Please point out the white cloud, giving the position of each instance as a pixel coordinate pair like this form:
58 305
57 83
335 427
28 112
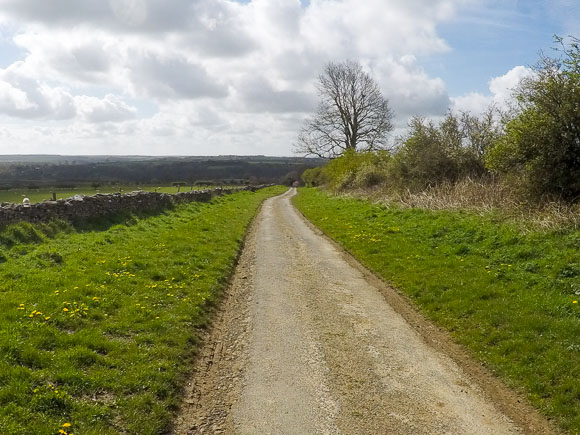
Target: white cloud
109 109
26 97
501 89
225 77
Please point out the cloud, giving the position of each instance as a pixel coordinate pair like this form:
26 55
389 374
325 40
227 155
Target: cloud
173 77
26 97
409 89
111 108
224 76
501 88
125 16
256 94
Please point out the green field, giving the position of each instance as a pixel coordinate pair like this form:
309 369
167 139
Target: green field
98 325
510 296
38 195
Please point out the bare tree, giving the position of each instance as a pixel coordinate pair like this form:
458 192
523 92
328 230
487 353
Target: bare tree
352 114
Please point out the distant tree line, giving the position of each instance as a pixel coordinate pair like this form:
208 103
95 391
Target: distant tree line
162 171
534 146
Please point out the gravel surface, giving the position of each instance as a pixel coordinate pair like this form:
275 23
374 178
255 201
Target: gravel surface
306 343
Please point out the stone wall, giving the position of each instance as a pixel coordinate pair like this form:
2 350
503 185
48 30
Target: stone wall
83 207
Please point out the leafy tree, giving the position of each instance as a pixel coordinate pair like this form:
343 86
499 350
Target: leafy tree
541 146
352 114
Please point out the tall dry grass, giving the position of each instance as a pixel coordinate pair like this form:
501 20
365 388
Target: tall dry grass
481 196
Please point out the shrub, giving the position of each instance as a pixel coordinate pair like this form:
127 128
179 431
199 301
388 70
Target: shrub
541 147
352 170
313 177
432 154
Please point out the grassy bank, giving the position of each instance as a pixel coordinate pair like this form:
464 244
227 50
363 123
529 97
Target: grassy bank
98 327
510 296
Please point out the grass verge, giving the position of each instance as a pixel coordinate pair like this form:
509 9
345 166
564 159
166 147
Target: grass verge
510 296
98 328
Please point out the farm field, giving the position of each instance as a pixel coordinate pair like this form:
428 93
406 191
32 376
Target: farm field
38 195
98 326
510 294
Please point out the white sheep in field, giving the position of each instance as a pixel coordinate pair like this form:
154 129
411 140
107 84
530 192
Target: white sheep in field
26 202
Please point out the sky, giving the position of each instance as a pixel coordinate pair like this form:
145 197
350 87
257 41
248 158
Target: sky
221 77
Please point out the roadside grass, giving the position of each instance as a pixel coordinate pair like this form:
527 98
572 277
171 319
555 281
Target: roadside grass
98 327
510 296
45 194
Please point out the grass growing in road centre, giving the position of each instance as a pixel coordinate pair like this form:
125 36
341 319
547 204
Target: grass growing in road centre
511 297
97 328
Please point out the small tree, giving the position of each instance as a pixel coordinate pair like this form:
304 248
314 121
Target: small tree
352 114
541 146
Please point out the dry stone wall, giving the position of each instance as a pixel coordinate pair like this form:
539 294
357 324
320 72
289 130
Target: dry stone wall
84 207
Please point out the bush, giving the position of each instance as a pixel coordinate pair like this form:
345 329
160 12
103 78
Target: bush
353 170
432 154
313 177
541 147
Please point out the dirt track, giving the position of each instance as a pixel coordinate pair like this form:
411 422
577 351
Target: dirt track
306 343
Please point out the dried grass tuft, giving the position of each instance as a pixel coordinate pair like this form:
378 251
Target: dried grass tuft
481 196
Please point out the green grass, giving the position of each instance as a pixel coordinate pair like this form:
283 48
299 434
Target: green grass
98 327
505 294
43 194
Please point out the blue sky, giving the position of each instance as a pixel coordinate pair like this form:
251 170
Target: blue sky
238 77
488 40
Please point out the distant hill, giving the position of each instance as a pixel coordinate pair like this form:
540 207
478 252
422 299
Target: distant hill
54 170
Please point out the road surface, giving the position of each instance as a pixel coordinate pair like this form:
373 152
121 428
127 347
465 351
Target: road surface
305 343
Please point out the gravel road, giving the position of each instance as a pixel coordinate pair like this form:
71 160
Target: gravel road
306 343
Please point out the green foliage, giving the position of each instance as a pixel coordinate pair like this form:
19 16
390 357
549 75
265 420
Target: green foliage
352 170
511 298
432 154
313 177
541 147
98 327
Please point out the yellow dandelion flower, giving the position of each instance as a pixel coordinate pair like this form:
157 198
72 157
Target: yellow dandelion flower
65 309
66 425
574 302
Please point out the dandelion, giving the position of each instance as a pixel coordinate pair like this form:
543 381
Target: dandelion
66 425
65 309
47 318
574 302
